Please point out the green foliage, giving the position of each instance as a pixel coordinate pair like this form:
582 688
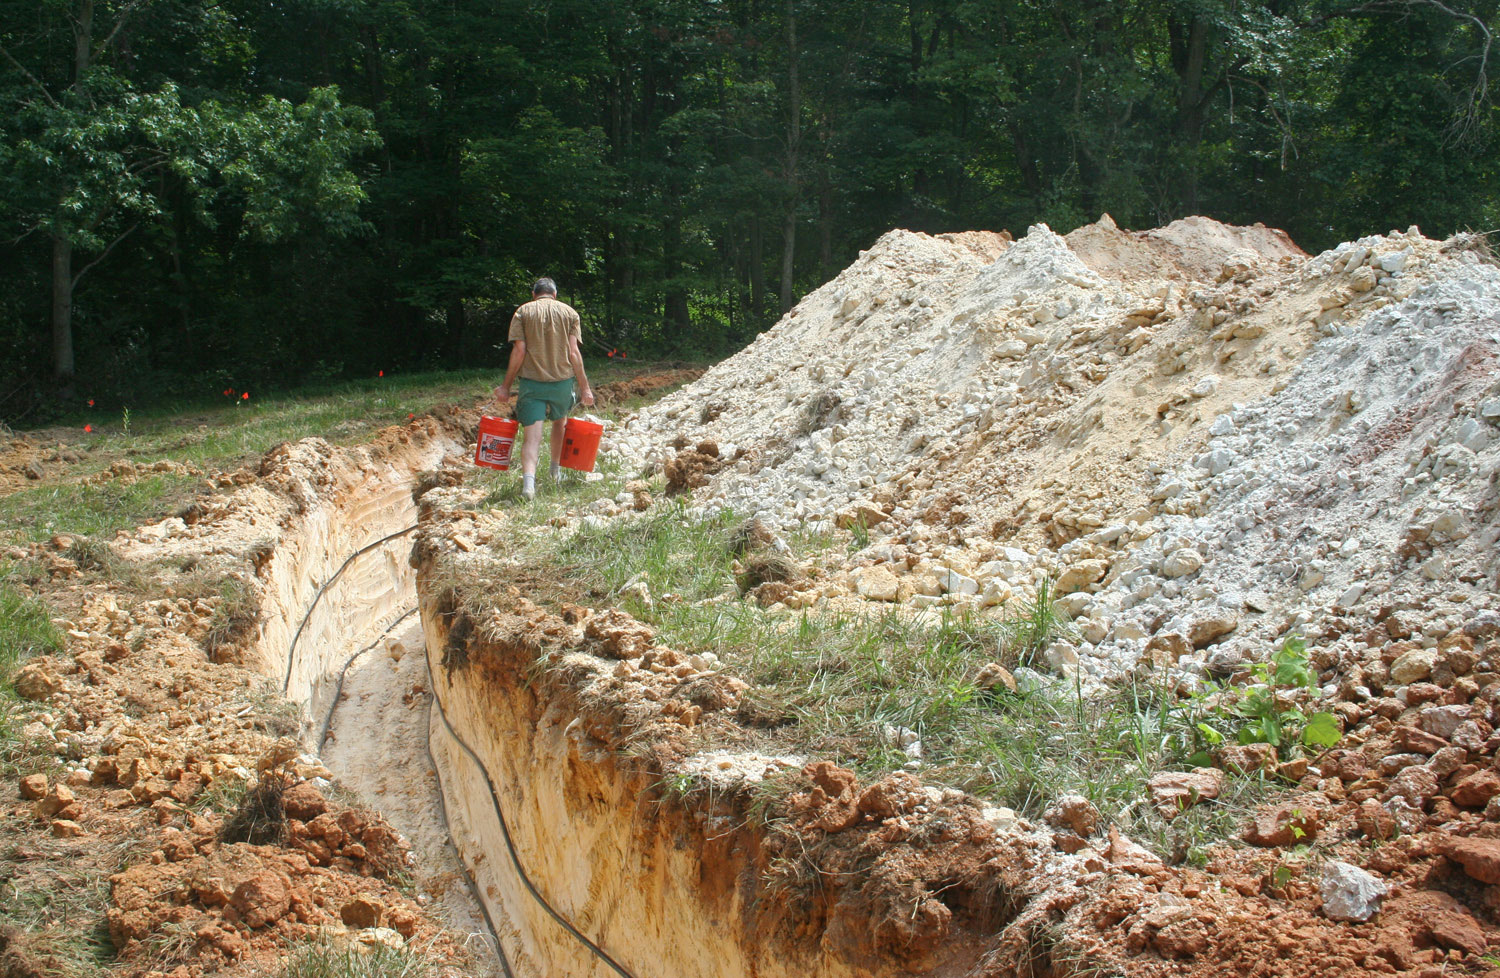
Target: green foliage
286 210
1264 713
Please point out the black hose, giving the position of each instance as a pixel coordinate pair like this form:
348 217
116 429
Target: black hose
510 845
427 745
291 652
462 866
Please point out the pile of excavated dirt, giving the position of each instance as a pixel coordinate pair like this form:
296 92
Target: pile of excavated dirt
1201 434
1382 857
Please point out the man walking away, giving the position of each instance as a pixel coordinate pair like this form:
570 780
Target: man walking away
546 334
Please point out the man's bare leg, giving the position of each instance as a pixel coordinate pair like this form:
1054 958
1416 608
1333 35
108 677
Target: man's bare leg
558 429
531 449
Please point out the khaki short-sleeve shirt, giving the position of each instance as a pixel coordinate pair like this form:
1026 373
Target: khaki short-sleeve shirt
545 325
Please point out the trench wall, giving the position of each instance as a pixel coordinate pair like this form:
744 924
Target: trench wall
663 889
349 498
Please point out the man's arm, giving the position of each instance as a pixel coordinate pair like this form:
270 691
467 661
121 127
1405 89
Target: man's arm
585 393
517 357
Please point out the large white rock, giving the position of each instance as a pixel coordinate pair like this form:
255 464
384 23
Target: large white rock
1180 563
1350 893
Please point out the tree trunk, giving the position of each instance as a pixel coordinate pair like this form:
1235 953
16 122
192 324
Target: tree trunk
793 141
757 270
62 311
83 41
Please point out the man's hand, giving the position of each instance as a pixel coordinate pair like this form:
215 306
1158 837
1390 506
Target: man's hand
502 393
587 397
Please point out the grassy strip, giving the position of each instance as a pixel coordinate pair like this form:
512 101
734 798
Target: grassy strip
225 435
224 431
859 688
92 510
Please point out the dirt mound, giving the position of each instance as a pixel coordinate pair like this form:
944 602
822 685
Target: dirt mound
620 391
1187 425
1194 248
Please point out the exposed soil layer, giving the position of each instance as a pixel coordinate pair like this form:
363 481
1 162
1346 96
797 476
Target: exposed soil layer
892 877
148 731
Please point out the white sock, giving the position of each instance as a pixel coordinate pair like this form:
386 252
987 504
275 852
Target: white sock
528 486
556 471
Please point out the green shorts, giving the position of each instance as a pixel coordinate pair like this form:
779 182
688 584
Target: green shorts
540 399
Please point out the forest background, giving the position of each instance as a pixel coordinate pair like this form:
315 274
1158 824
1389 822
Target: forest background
207 194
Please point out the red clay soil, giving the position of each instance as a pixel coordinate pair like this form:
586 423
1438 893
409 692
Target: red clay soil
1411 794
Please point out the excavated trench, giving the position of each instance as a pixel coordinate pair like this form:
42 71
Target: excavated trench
526 827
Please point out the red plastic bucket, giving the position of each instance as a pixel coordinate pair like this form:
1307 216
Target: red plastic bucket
581 444
497 436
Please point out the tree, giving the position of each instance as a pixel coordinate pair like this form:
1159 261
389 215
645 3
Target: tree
90 162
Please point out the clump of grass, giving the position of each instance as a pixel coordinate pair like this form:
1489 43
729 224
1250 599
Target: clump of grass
1034 625
234 620
819 412
26 629
260 818
326 958
766 567
273 713
223 795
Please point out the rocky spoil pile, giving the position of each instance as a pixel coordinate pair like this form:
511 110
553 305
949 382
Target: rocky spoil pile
1203 436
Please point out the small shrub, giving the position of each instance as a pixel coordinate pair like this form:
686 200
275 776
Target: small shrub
260 818
1261 714
235 618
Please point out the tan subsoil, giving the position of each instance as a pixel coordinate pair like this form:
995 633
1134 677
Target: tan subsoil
891 878
146 723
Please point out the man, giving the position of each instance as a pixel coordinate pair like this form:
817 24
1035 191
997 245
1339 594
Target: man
546 334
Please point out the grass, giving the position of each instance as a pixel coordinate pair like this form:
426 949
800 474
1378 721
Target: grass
849 686
260 817
218 433
235 617
327 958
57 905
26 628
92 510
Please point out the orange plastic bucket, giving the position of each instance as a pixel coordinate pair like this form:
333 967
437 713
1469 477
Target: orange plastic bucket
581 444
497 436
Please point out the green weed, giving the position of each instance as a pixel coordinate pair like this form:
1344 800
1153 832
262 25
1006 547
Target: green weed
1034 625
327 958
1262 714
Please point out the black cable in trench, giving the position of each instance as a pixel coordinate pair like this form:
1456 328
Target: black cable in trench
510 846
442 806
291 652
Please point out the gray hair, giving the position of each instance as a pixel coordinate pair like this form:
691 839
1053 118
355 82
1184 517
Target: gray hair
544 286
